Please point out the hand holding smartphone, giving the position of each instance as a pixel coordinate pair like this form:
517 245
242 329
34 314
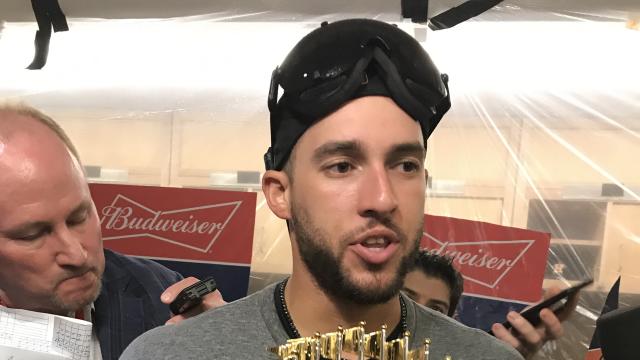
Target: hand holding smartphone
554 303
192 295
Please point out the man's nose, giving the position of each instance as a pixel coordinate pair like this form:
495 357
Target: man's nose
71 251
377 193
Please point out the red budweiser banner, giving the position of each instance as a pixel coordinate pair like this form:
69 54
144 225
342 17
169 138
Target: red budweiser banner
497 262
177 224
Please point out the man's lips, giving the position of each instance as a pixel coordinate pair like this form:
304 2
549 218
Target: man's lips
80 279
375 246
376 233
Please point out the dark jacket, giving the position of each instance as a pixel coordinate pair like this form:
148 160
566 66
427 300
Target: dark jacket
129 302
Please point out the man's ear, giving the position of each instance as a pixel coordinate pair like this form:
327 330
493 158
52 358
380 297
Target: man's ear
426 177
275 187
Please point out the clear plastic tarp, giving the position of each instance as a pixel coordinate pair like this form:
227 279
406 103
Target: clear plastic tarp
544 131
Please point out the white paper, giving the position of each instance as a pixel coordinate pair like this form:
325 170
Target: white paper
33 335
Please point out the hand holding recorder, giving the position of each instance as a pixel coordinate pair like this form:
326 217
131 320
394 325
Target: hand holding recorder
529 330
190 297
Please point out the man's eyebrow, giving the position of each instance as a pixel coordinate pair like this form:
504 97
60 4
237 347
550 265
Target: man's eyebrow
349 148
408 291
83 206
25 228
439 302
404 149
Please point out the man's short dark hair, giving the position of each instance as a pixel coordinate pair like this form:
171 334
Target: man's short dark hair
441 267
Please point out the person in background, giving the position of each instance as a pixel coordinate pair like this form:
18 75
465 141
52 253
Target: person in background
435 283
51 254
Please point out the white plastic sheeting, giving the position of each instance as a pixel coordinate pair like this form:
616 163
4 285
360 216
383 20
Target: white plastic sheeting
544 132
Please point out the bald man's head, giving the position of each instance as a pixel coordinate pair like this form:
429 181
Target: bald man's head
50 242
18 118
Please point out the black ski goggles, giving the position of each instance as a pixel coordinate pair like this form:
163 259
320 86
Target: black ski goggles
345 60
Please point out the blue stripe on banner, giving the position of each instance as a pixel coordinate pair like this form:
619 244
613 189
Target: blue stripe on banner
232 280
481 313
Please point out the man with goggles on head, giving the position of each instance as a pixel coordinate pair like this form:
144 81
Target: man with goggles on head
346 171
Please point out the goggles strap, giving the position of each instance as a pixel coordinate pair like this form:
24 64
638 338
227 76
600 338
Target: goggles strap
394 81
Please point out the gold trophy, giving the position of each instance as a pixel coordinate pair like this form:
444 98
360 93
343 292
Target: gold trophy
353 341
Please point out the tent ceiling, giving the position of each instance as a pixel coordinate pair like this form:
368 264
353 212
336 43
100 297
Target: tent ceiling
306 11
295 10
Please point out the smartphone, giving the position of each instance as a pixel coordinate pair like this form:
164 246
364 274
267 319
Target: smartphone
191 296
554 303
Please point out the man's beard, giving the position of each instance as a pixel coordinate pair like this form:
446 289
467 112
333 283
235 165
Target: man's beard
67 306
327 269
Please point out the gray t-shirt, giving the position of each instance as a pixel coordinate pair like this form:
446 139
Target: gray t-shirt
245 328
